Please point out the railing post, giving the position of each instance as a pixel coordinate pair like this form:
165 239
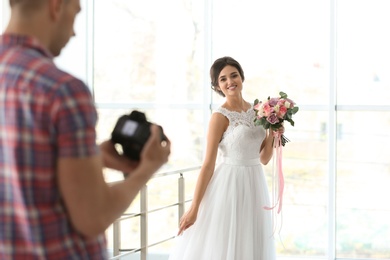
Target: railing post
181 196
143 214
144 222
116 236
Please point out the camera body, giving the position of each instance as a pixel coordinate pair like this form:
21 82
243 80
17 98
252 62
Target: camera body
131 132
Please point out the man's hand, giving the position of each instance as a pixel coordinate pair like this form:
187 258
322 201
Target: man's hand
112 159
155 152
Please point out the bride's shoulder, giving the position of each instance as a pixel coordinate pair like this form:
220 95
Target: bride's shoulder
221 110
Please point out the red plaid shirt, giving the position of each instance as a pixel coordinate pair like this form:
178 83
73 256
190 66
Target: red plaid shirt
45 114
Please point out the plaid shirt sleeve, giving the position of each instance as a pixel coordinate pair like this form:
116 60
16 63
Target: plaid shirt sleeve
75 120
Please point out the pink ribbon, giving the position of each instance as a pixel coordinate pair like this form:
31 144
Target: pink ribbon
278 188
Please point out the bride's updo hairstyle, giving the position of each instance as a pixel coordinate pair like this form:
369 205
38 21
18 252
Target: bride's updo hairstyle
218 66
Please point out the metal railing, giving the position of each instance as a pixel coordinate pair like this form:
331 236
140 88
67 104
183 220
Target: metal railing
118 252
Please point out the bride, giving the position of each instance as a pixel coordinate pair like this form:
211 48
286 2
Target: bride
226 220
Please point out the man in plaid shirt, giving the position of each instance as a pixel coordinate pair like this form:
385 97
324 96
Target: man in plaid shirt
54 202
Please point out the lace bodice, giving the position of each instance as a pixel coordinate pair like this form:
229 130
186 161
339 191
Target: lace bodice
242 139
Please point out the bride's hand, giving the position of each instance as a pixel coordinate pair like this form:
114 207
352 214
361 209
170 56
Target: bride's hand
187 220
280 130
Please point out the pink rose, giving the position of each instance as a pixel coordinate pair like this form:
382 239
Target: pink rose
267 110
282 111
281 102
258 106
273 119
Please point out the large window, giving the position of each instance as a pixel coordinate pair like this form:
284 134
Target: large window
363 119
150 57
330 56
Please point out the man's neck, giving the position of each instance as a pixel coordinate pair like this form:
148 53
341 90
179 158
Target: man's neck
34 26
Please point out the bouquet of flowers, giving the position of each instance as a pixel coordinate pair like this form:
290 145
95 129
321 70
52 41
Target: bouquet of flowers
272 112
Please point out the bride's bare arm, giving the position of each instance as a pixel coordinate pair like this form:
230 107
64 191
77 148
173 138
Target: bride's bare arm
217 126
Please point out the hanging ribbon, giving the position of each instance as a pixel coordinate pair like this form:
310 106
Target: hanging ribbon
278 188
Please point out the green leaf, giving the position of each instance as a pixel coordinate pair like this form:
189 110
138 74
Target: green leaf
290 121
277 126
282 94
295 109
256 101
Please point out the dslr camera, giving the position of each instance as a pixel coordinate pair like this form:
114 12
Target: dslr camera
131 132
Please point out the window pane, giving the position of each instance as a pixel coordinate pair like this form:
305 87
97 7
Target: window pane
5 14
304 224
363 52
76 49
144 54
282 45
363 177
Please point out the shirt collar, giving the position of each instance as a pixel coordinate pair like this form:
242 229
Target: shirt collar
25 41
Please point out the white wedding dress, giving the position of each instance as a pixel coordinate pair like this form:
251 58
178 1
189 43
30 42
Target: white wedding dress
232 223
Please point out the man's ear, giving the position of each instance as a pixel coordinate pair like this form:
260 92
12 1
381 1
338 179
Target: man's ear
55 8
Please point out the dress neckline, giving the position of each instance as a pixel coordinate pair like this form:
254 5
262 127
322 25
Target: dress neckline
239 112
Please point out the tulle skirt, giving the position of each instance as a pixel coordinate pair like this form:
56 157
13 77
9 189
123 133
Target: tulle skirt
231 222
